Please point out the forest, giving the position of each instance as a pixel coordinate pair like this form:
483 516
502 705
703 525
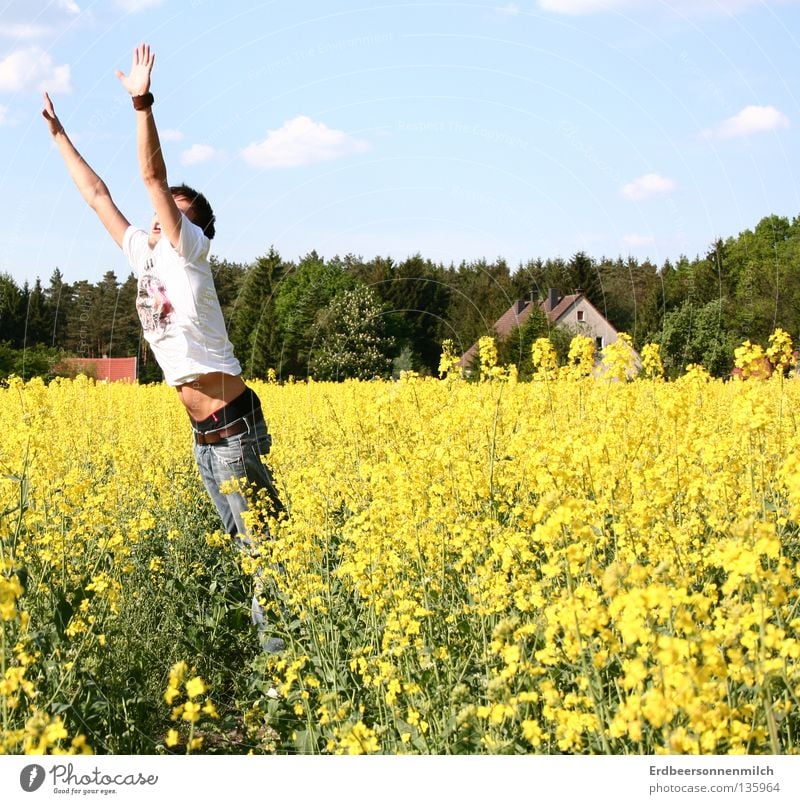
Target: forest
342 317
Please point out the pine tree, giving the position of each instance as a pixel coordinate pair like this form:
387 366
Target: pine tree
79 327
252 330
127 329
12 311
36 316
103 315
585 278
58 297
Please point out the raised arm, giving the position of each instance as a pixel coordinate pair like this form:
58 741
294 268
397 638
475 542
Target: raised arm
151 158
91 186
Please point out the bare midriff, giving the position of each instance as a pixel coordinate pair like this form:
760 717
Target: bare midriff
210 392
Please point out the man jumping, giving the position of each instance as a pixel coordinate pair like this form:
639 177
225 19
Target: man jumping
181 316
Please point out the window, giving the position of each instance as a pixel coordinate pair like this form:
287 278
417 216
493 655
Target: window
581 316
598 341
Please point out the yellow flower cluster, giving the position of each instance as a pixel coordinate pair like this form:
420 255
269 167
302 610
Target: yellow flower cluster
42 734
651 361
490 370
544 358
780 349
750 359
354 739
191 710
581 357
10 590
449 363
619 358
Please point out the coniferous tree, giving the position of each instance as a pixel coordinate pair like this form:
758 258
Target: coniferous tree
127 332
416 297
253 330
479 293
631 294
37 317
103 315
12 311
58 296
228 278
79 320
584 277
516 347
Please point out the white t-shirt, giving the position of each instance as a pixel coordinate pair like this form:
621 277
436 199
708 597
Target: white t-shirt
178 304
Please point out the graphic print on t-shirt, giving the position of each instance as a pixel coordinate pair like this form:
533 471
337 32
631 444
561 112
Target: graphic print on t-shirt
152 302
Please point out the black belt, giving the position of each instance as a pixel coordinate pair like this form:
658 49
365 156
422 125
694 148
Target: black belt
212 436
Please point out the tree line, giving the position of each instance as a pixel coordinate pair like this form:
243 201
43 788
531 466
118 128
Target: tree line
349 317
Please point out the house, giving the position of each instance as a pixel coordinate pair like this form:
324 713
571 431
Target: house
574 312
105 369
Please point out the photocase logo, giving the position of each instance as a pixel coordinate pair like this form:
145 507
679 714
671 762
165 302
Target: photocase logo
66 779
31 778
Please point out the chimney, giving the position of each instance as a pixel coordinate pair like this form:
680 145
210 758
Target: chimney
552 299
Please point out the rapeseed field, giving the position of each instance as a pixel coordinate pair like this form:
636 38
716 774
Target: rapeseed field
590 562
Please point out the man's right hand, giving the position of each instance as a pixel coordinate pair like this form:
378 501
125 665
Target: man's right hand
49 114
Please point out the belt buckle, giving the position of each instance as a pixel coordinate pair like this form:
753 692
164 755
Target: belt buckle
215 436
204 439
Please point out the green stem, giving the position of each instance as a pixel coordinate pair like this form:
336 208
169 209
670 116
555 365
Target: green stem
590 671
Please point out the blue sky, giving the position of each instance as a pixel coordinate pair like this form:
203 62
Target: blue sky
458 130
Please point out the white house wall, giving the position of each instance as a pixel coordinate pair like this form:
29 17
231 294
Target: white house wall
594 324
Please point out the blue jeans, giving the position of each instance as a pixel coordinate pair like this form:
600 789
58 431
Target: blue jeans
238 457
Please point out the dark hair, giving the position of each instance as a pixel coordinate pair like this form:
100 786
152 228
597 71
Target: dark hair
199 211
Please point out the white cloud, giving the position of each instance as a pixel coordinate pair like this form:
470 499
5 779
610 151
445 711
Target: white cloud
135 6
22 30
4 119
721 6
647 186
508 10
32 68
637 240
680 7
301 141
170 135
197 154
29 20
751 120
575 7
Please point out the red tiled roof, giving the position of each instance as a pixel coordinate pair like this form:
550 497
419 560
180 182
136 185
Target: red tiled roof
562 307
515 316
108 369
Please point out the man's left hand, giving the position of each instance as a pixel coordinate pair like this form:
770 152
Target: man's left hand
137 82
